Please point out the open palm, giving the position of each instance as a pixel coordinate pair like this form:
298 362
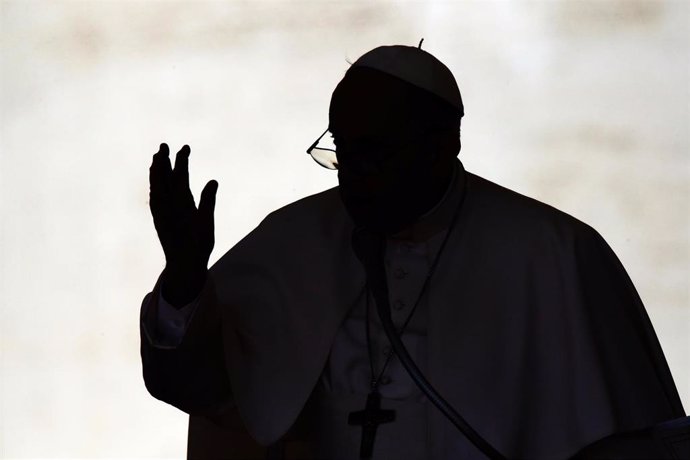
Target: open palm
185 232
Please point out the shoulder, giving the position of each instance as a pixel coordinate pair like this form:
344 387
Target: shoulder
501 211
523 226
320 210
314 219
321 203
305 229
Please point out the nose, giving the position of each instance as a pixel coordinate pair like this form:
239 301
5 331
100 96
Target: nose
354 167
360 185
359 159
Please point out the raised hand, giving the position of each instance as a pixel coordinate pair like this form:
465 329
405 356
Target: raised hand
185 232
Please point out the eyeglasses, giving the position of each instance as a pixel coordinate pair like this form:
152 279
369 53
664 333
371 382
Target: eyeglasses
323 151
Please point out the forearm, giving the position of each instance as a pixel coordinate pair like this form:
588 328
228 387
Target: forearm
191 378
191 374
181 285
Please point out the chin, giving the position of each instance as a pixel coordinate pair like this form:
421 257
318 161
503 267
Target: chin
377 218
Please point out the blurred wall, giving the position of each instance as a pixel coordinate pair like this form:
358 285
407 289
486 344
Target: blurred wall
582 105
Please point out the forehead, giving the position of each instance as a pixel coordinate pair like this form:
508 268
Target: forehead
367 101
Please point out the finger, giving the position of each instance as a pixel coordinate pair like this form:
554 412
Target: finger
164 150
207 201
181 171
163 155
160 172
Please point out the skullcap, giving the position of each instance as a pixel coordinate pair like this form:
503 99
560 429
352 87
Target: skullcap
416 67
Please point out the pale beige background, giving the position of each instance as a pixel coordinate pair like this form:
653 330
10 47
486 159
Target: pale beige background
582 105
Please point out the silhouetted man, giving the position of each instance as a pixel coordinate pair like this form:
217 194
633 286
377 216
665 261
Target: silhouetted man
520 315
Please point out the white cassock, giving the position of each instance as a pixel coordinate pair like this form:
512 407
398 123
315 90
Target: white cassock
520 330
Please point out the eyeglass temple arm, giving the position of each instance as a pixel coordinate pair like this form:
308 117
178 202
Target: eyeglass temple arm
311 147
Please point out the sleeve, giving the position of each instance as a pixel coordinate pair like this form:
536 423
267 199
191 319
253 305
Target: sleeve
627 370
189 374
628 347
170 323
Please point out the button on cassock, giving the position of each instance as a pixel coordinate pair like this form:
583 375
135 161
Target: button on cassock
398 305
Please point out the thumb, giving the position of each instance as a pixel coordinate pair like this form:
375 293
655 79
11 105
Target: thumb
207 201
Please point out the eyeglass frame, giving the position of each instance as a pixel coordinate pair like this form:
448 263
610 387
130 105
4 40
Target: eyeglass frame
313 145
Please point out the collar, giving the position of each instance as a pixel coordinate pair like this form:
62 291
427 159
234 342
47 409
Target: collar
439 217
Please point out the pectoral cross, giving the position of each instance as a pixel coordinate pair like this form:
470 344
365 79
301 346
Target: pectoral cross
370 418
